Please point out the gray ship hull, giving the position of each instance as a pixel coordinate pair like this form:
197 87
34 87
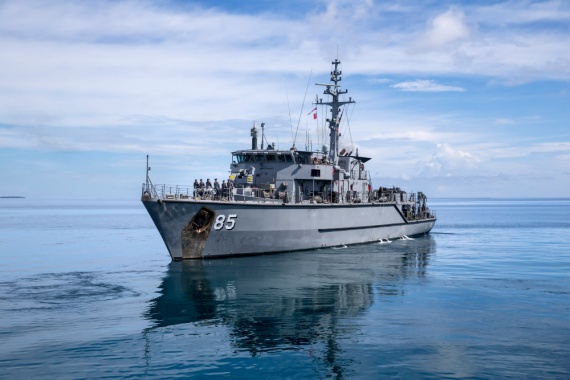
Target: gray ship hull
279 200
235 228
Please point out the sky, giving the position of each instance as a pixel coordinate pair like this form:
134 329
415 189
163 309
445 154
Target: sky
453 98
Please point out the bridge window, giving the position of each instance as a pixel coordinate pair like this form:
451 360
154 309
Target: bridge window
315 172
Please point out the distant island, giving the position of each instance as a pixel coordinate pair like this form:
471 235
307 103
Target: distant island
11 196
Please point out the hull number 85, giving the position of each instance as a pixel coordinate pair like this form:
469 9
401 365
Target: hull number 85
222 221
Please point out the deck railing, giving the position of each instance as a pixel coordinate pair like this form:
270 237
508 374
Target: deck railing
178 192
166 191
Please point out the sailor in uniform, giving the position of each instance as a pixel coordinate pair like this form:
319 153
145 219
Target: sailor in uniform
217 187
202 186
196 187
224 188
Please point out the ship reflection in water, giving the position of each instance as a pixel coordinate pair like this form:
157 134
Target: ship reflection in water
288 301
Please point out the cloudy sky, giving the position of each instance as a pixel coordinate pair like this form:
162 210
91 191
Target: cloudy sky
455 98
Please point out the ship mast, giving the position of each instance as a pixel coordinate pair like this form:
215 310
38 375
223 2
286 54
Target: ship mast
333 89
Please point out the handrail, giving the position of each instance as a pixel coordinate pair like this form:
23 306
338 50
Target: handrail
168 191
248 194
149 189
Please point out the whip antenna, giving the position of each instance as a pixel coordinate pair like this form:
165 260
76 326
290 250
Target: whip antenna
302 105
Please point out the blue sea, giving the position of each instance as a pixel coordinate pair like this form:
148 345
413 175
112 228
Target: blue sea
87 290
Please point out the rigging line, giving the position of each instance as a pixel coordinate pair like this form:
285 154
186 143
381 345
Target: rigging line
324 127
266 141
317 128
316 123
348 123
306 134
321 125
289 107
343 129
319 122
347 126
302 106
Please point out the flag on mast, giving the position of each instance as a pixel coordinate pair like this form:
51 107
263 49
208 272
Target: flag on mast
314 112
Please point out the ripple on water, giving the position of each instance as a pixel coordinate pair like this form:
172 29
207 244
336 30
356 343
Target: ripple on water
57 290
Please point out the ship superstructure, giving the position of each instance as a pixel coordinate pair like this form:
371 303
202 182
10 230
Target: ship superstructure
284 200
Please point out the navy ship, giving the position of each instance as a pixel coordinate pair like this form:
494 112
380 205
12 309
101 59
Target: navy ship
286 200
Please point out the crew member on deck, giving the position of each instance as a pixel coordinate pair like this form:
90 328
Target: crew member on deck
202 186
208 183
217 193
196 187
224 188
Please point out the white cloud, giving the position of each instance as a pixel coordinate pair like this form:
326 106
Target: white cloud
424 85
448 161
379 80
444 29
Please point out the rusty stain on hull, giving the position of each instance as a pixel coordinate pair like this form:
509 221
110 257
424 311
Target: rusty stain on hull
195 233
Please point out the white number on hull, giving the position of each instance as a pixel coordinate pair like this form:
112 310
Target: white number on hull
230 222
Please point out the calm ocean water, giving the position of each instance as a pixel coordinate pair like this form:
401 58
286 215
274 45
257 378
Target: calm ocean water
87 290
